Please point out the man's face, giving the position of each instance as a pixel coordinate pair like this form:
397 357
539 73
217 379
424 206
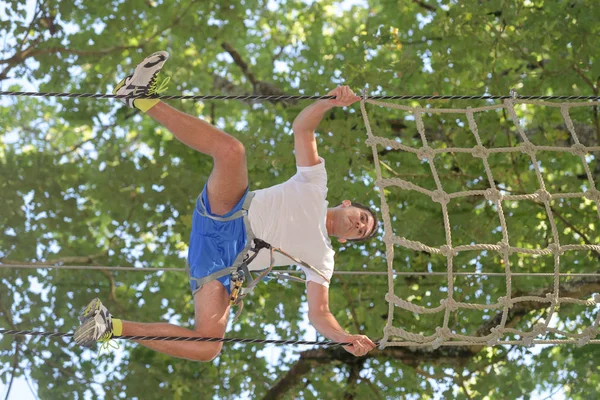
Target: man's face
352 222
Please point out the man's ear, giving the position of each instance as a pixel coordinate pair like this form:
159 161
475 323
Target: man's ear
342 240
346 203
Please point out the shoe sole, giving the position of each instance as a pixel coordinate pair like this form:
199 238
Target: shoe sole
84 331
160 57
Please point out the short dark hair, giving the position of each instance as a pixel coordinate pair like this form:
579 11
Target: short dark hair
375 222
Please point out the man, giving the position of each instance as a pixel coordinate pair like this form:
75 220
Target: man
292 216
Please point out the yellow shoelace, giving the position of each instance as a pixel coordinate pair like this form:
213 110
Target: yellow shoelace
106 343
158 88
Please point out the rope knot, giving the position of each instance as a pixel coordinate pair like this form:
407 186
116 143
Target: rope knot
494 336
387 237
593 195
556 250
528 341
443 333
439 196
543 196
450 304
493 195
549 296
582 341
426 152
579 150
504 301
527 148
448 251
505 248
587 334
539 328
437 343
480 152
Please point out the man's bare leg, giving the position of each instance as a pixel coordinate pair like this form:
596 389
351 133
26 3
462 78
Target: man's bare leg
212 309
229 178
226 185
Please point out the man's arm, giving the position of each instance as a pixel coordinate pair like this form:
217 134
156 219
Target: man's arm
323 320
305 124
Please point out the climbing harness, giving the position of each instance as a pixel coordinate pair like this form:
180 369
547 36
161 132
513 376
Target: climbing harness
239 271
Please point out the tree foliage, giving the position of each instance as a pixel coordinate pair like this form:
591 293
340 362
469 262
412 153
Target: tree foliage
88 182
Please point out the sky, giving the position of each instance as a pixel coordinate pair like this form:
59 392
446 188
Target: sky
24 389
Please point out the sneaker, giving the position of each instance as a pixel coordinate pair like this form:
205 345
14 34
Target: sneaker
96 325
143 82
91 309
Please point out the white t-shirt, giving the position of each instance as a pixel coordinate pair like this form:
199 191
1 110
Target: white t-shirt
291 216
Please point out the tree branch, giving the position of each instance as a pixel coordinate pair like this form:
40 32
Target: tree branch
225 86
374 389
13 369
427 375
455 355
424 5
353 378
581 74
113 290
464 387
570 225
259 87
237 59
21 56
291 378
30 386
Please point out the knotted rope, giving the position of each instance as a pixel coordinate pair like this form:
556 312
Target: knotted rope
443 335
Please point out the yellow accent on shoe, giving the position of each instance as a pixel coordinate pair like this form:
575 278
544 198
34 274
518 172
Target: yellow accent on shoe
117 327
145 104
119 86
90 307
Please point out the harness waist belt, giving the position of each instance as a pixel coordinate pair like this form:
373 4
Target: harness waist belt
239 260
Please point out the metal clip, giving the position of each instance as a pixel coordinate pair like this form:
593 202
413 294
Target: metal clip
238 281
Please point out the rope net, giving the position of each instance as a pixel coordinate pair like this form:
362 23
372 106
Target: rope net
496 311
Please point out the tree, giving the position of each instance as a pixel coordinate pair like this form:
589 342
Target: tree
90 182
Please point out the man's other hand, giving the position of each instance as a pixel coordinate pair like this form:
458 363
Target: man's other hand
344 96
360 346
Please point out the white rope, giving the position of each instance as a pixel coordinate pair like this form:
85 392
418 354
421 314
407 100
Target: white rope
290 271
443 335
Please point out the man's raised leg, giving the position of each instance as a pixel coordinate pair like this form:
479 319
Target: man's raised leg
229 177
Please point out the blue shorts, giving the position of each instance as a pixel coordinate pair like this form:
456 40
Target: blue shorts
214 245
